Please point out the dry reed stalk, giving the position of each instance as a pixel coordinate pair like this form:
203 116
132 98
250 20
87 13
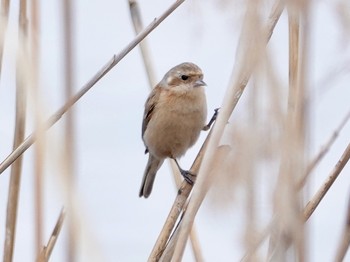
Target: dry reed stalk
345 239
259 240
4 11
138 26
56 116
248 53
196 247
177 208
323 151
312 204
251 145
288 228
20 122
316 199
250 153
45 253
38 118
169 248
69 139
262 236
100 74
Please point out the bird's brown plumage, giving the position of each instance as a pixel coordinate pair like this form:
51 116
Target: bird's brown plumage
175 113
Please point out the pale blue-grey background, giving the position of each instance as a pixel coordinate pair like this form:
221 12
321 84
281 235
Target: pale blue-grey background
110 159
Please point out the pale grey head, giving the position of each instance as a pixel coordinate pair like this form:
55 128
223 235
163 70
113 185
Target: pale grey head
185 75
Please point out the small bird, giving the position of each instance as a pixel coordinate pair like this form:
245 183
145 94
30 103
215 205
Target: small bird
175 113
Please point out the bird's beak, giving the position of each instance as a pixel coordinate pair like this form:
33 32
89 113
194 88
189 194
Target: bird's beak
199 83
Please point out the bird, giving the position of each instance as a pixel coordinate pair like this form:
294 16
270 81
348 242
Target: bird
175 113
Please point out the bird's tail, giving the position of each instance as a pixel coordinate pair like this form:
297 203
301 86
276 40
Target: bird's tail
152 167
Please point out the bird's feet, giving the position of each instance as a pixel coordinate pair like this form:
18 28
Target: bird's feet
213 118
188 176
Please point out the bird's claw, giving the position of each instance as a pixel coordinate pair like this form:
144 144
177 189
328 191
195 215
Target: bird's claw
216 110
213 118
188 176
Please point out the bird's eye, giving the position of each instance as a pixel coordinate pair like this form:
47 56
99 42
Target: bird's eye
184 77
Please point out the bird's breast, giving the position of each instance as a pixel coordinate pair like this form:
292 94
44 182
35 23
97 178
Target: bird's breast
176 123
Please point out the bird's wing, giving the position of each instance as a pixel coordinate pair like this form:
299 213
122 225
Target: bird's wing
149 108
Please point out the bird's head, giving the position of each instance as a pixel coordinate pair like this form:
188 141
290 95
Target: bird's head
183 77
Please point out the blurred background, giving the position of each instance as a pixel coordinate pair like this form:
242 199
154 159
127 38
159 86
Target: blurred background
114 223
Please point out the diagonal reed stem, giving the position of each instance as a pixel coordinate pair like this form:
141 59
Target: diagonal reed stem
323 151
98 76
45 253
177 207
316 199
316 160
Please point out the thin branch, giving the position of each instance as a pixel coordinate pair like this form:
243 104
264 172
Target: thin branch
100 74
313 203
325 148
47 250
241 74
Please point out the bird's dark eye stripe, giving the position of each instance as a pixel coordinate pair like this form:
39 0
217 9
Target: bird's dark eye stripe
184 77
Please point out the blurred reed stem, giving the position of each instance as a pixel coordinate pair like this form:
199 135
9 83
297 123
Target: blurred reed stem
4 16
248 53
344 243
20 122
146 57
316 160
39 151
69 138
288 228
